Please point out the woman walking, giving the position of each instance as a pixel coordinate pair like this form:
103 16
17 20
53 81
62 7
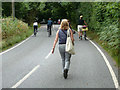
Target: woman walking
80 25
61 35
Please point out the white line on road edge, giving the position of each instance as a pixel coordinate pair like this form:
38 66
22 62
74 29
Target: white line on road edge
108 64
26 76
15 46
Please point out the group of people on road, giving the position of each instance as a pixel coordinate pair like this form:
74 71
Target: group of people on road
61 36
49 26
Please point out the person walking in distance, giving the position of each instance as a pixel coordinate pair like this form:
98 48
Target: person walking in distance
35 25
61 35
49 25
81 22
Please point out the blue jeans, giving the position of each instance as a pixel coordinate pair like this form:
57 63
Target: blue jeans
65 56
49 29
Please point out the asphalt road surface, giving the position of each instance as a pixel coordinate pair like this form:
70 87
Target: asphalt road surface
26 66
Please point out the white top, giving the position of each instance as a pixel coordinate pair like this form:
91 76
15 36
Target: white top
35 24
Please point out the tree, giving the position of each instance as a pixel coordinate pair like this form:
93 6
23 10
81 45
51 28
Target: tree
13 10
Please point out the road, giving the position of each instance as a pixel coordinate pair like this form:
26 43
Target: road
88 68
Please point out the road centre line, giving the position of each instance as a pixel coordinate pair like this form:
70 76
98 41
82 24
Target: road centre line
105 59
49 54
108 65
25 77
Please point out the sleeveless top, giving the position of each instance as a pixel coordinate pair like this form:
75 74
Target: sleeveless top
81 22
62 36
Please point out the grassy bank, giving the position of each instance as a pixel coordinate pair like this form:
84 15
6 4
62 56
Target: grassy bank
111 51
13 32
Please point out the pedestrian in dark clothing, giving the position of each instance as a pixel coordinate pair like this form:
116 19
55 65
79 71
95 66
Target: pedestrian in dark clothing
81 22
35 25
49 25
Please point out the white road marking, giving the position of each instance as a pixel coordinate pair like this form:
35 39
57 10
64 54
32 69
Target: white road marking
108 65
106 61
50 53
15 46
25 77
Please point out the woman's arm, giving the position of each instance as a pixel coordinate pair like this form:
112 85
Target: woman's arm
56 39
85 23
72 38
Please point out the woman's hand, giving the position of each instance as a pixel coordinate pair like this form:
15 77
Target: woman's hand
53 50
73 43
56 39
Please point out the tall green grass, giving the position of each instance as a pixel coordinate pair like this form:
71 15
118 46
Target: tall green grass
13 32
111 47
113 52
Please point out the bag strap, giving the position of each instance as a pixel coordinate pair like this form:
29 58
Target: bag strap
64 32
68 32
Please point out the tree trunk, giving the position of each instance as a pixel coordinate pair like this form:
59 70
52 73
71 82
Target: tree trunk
13 10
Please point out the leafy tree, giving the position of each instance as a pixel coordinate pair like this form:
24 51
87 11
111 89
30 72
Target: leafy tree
6 9
102 17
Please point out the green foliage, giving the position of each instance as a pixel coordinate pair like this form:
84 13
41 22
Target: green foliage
13 32
6 9
110 34
106 21
26 11
102 18
10 27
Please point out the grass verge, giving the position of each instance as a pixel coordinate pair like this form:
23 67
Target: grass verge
93 36
13 32
15 39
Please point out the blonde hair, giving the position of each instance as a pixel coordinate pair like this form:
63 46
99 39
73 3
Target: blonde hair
64 24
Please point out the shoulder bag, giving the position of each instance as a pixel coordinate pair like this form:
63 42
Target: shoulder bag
69 44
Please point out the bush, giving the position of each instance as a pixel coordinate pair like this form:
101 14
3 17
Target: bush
14 32
103 19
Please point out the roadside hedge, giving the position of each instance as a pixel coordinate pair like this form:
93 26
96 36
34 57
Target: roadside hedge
103 18
13 31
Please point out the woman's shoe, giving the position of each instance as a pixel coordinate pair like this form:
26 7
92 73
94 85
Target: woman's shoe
65 73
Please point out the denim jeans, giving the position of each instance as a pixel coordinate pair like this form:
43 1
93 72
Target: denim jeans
49 28
65 56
